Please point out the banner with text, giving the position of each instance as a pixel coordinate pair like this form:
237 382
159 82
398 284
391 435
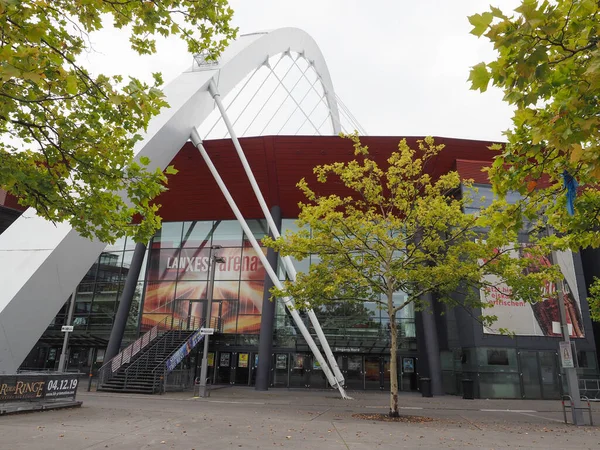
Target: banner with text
537 319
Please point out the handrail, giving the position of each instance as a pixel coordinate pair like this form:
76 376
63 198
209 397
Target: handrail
124 357
585 390
142 364
163 362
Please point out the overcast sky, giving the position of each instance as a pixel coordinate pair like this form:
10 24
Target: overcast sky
400 66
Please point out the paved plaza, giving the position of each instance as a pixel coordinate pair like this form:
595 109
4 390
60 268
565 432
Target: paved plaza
234 418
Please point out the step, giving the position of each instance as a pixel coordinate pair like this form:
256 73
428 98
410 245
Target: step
131 391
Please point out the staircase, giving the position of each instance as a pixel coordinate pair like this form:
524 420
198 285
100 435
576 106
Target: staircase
144 374
142 367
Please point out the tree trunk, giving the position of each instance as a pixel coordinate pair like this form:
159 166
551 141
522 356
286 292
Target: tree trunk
393 360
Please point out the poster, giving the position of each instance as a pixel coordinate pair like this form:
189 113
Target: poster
210 358
281 361
177 287
299 362
316 365
408 365
541 318
224 361
243 360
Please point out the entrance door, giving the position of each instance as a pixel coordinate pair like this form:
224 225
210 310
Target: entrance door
550 375
373 373
353 369
530 374
300 370
223 372
408 375
242 370
317 378
280 374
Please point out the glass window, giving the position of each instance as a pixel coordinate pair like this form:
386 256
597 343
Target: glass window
193 264
250 266
193 290
248 324
251 297
482 196
118 245
159 297
150 320
197 234
497 359
164 264
169 236
230 269
227 233
126 264
130 244
259 229
226 290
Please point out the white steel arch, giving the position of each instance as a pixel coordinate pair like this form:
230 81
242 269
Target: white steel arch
41 264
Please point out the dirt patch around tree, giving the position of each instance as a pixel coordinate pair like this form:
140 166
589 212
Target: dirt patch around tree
387 418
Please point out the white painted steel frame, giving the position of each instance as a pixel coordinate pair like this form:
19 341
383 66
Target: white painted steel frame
41 263
288 265
197 141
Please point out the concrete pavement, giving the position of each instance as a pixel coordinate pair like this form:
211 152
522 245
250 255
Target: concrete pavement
244 418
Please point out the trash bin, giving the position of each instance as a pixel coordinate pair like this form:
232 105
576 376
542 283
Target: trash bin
426 387
468 389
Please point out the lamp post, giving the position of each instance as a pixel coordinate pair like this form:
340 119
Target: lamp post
214 259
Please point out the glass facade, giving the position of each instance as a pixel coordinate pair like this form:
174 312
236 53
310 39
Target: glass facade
173 285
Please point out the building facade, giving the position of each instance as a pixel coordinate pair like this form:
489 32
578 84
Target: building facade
173 286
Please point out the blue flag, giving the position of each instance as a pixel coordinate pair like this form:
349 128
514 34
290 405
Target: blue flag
571 186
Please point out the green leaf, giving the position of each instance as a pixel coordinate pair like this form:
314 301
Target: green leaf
144 160
71 86
171 170
479 77
480 22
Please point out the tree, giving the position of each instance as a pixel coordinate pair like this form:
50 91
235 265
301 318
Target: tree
67 135
548 66
397 229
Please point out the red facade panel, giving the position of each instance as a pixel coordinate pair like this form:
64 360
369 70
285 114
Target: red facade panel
279 162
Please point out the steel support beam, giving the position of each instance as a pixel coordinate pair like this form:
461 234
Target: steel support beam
197 141
287 262
267 318
120 323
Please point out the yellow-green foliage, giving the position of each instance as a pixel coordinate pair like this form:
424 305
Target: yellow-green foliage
68 136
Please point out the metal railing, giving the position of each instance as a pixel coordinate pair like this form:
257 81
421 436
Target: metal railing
109 368
571 405
146 365
590 389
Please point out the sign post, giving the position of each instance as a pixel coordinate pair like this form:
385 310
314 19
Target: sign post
566 354
62 362
204 392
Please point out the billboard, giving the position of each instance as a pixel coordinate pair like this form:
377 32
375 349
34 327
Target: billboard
541 318
177 288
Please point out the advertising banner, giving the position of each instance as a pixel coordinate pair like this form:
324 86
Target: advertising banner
177 286
535 319
26 387
184 350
